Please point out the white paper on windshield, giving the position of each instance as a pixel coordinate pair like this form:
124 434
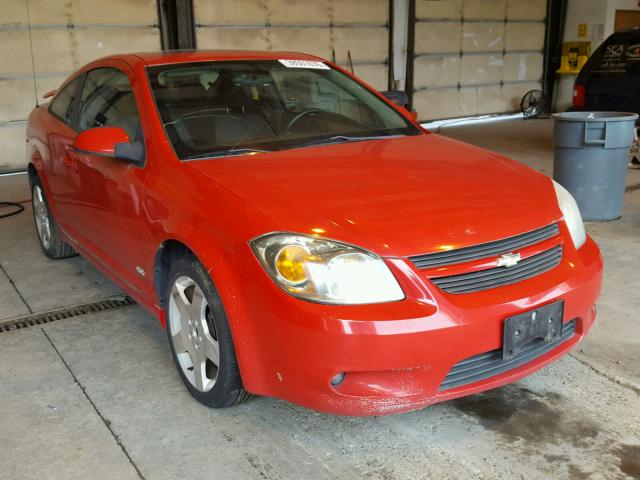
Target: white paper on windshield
304 64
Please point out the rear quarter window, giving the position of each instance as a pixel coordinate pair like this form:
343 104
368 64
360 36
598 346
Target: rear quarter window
64 103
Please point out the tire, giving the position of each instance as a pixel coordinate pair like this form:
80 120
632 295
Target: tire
204 336
46 227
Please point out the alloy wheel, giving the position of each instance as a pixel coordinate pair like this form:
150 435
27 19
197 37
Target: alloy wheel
193 334
41 216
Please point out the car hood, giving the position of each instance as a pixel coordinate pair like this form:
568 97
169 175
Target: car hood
397 197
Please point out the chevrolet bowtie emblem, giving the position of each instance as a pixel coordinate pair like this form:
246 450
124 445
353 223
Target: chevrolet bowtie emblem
508 260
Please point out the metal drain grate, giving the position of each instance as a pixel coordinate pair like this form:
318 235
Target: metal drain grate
75 311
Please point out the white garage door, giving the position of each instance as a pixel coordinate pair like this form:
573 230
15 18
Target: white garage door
476 56
43 41
317 27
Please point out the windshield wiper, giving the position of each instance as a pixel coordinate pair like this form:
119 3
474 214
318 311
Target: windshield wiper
320 141
227 153
343 139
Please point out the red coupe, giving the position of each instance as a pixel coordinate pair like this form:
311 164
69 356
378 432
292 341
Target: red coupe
300 236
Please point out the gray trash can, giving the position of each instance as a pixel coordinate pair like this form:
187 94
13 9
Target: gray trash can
591 157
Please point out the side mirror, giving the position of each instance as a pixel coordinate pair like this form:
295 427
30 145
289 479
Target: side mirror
401 99
398 97
110 142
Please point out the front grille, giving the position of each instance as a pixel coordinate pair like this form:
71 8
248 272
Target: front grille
499 276
484 250
489 364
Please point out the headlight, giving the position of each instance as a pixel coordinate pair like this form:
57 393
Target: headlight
326 271
571 214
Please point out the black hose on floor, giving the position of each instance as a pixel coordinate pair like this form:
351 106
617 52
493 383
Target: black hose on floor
18 208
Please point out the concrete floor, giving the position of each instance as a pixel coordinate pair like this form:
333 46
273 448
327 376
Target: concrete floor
97 396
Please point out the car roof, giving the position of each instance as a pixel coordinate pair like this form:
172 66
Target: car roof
186 56
632 34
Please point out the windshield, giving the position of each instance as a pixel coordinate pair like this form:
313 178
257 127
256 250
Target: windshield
239 107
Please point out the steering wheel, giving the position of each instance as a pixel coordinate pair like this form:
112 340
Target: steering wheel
301 115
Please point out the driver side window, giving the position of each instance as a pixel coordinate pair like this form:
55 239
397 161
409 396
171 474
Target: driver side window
107 101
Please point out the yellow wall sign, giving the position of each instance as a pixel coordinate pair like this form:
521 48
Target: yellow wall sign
582 29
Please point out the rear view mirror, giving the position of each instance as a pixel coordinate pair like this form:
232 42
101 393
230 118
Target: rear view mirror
110 142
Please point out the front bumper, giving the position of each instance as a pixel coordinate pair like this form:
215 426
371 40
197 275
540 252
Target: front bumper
395 355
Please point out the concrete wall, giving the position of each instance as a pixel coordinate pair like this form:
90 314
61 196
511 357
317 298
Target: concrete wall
43 41
610 16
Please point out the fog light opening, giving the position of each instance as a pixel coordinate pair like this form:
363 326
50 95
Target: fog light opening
337 379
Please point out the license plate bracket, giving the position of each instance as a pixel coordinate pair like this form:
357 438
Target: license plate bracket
543 324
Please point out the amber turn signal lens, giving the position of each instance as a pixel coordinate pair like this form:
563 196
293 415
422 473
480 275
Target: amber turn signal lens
290 263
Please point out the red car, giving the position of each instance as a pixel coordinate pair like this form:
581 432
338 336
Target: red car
300 236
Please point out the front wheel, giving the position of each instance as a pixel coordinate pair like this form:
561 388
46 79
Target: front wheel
199 336
48 231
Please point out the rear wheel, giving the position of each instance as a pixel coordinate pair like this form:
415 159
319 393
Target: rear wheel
48 231
199 336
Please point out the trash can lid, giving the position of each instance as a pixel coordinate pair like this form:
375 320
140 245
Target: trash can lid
596 116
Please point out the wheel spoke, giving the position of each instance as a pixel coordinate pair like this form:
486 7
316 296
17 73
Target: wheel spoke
198 305
181 303
211 349
199 374
39 225
181 342
41 216
47 231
